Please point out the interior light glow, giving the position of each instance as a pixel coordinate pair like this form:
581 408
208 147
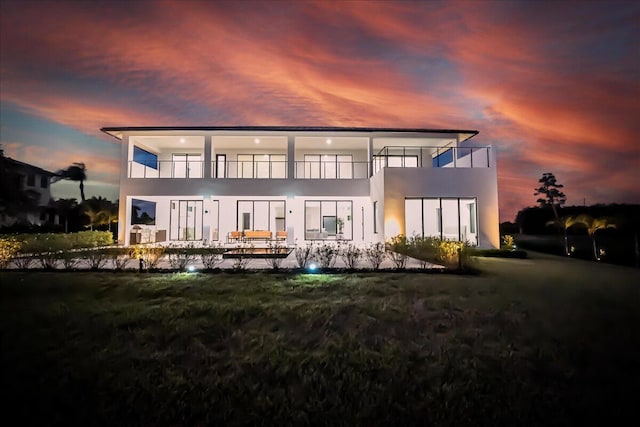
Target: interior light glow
257 141
182 140
329 141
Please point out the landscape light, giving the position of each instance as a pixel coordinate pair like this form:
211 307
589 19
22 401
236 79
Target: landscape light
191 268
312 266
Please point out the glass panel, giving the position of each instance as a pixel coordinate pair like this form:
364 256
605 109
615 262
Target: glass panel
179 166
245 166
195 166
145 158
329 170
468 219
260 215
328 226
215 220
432 218
245 210
345 220
312 220
411 162
311 166
413 217
262 164
450 228
277 217
345 170
173 218
278 166
221 166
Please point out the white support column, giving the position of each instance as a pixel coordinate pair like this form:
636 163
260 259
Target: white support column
124 174
370 156
291 156
207 156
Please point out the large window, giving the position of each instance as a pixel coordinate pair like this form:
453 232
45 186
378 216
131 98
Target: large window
328 166
445 218
145 158
262 166
185 221
328 220
143 212
261 215
187 165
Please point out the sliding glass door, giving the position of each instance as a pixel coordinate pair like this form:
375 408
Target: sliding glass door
186 220
444 218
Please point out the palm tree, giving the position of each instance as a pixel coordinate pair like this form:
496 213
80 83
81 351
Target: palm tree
98 210
75 172
564 223
592 225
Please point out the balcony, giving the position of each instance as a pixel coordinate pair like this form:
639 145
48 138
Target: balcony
167 169
432 157
250 169
335 169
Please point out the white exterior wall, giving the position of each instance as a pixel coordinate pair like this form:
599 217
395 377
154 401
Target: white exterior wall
389 187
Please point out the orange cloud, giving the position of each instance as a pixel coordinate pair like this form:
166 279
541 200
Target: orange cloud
552 87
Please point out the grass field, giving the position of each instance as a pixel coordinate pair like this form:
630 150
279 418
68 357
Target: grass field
528 342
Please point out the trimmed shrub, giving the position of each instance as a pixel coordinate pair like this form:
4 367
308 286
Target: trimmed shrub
9 250
150 255
326 254
375 253
276 248
304 254
212 256
351 255
182 257
397 250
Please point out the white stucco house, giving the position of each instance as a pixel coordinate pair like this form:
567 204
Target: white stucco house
296 184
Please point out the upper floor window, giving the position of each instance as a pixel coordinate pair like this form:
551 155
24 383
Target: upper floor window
44 181
144 157
262 166
328 166
31 180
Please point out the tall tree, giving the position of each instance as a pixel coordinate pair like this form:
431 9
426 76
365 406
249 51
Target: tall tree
98 209
550 189
75 172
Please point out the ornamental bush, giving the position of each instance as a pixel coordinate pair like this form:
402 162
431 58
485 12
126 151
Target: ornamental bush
9 249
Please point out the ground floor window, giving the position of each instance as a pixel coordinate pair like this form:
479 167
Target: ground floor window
261 215
328 220
185 220
446 218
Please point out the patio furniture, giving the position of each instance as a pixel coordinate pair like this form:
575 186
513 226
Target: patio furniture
234 236
251 235
281 235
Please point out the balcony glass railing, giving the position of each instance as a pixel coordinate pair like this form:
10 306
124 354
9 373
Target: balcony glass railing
331 170
167 169
250 169
432 157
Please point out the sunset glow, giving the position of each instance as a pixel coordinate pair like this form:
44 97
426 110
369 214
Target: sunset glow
554 86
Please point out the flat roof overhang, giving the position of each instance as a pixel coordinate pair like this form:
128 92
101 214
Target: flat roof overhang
117 132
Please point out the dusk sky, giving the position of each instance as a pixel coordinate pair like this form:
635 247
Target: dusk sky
554 86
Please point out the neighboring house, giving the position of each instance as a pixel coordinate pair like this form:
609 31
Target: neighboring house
34 186
297 184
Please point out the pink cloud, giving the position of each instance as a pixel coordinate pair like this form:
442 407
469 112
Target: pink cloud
541 90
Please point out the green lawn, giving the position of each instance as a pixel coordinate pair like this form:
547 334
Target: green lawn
528 342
